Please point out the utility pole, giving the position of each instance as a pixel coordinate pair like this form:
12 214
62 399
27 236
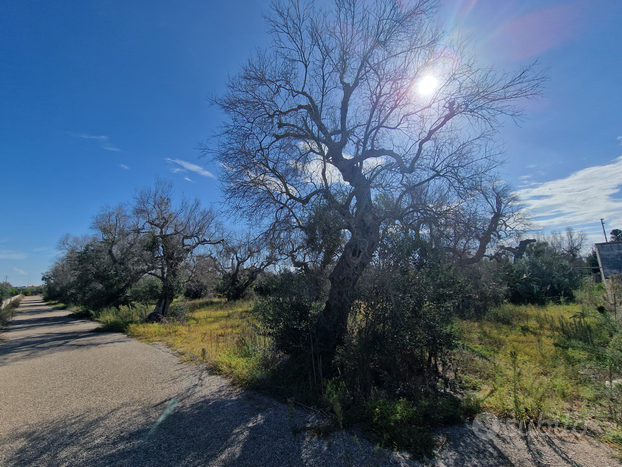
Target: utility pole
602 222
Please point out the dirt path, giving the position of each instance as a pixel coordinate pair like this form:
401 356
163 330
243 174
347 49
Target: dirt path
72 397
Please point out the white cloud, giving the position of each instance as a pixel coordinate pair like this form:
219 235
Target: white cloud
103 140
10 254
188 166
579 200
186 178
312 169
123 166
85 136
21 272
620 139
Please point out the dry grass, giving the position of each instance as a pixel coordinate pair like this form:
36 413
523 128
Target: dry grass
221 334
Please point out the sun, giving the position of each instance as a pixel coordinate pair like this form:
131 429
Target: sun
427 85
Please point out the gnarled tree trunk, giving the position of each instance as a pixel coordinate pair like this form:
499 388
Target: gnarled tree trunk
358 252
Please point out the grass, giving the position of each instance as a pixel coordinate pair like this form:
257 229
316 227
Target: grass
221 334
119 319
532 363
113 319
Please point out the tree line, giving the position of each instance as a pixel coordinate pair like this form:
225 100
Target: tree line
151 251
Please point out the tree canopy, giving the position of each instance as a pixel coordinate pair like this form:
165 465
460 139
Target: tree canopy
369 107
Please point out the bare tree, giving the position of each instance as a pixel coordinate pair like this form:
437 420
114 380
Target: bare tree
476 225
361 105
570 244
123 244
241 260
203 275
171 235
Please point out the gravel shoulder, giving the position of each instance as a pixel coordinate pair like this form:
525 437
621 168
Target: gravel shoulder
70 396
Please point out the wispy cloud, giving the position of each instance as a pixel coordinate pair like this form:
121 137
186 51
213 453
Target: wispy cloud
188 166
123 166
579 200
104 141
21 272
187 179
10 254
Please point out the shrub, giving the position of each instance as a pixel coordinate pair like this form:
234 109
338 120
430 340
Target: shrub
287 311
401 331
178 312
146 291
543 274
405 424
6 313
5 290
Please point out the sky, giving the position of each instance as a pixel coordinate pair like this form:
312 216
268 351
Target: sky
100 97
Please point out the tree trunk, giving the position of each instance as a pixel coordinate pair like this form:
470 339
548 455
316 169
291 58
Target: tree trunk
164 302
161 309
358 252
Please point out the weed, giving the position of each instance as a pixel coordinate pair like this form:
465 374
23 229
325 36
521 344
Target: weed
516 374
6 313
118 319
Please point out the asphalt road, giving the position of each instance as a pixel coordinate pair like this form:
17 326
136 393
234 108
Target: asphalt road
70 396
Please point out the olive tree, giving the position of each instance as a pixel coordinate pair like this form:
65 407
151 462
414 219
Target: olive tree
472 228
362 105
170 234
240 261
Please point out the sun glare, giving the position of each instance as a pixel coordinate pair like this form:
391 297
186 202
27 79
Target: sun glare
427 85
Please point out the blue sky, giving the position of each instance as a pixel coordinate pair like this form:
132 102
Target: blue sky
100 97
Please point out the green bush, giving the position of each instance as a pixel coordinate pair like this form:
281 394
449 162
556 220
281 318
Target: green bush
178 312
288 310
405 424
401 332
5 290
6 314
146 291
543 274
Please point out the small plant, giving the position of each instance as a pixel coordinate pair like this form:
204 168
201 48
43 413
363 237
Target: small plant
6 313
178 313
516 374
118 319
